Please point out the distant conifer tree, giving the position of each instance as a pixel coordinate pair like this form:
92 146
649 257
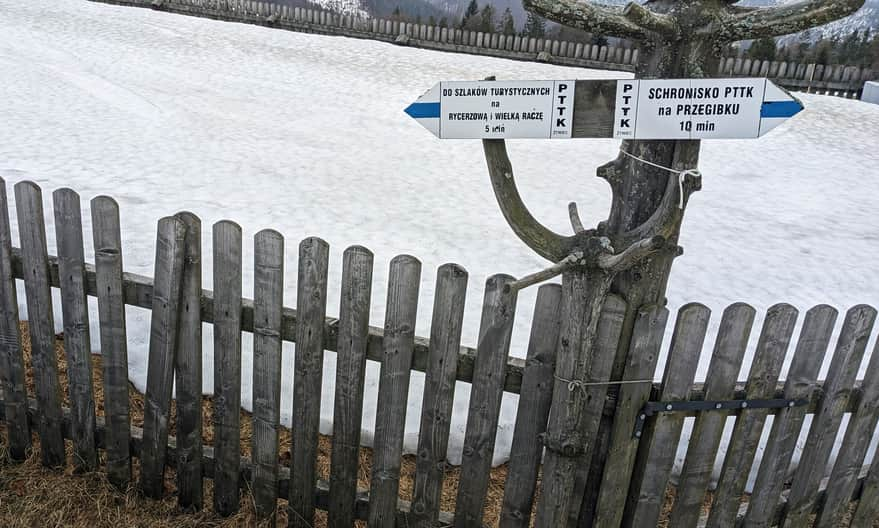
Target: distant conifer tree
507 24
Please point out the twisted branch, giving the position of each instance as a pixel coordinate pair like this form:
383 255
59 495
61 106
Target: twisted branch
602 20
542 240
781 20
656 22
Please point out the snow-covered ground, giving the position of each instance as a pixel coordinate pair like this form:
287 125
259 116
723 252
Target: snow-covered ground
306 134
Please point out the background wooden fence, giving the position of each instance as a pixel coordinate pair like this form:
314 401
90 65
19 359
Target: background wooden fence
633 479
840 80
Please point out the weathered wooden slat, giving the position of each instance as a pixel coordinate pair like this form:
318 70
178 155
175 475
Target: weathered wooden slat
641 364
495 329
350 371
659 441
311 305
170 252
729 350
268 294
11 360
840 378
114 345
74 311
533 410
800 383
393 389
854 447
227 365
188 372
41 322
778 327
868 507
439 393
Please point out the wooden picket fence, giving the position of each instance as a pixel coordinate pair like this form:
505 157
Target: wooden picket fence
627 488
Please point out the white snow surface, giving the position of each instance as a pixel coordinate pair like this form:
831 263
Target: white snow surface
306 134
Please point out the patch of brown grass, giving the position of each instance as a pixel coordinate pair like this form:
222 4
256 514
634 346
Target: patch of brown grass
31 495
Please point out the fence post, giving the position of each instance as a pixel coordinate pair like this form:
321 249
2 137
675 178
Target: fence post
188 371
170 240
393 390
114 346
350 371
533 410
41 323
486 392
77 342
439 393
268 302
11 360
311 305
227 365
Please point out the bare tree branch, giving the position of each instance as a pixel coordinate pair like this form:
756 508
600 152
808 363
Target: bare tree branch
601 20
563 265
576 223
783 19
545 242
656 22
631 255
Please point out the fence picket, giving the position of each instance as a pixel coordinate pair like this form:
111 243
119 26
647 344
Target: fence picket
495 328
778 327
268 301
840 378
660 438
168 270
11 359
640 365
188 372
393 389
311 307
729 350
801 379
114 345
439 393
227 365
868 506
853 449
533 409
74 312
350 371
41 323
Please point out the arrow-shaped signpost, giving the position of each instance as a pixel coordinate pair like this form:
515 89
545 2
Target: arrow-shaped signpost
623 109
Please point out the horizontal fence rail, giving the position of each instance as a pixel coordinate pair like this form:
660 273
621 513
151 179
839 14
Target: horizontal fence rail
632 486
841 80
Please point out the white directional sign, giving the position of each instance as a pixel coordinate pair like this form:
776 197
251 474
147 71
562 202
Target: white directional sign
624 109
497 109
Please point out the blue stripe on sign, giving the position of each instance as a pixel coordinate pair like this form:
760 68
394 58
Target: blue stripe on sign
422 110
780 108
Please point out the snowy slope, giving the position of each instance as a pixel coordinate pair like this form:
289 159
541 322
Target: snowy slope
306 134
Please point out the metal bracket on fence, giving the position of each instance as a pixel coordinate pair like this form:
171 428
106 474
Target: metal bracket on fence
651 408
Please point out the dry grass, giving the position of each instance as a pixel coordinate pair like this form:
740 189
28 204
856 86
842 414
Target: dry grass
31 495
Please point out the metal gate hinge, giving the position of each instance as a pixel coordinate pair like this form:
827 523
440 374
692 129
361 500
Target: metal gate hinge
651 408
